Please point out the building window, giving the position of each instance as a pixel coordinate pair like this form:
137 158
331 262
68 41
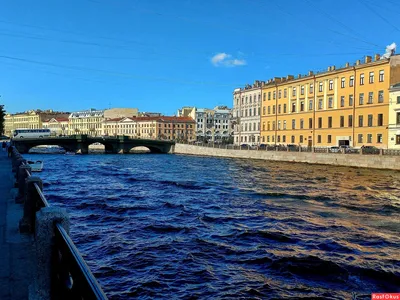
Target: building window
273 109
379 138
320 104
381 75
310 105
293 124
351 100
302 106
341 121
362 79
284 108
329 139
274 95
267 139
284 124
273 125
285 93
301 123
370 97
264 110
329 122
342 101
397 139
311 88
250 99
320 122
360 138
294 92
343 82
371 77
370 121
380 97
321 87
398 118
279 109
319 139
293 107
350 120
280 94
301 138
361 99
380 119
283 138
302 90
360 121
273 138
330 85
269 126
351 81
269 110
264 96
279 139
269 95
310 122
279 125
369 138
263 126
330 102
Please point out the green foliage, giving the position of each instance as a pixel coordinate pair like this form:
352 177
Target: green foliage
2 114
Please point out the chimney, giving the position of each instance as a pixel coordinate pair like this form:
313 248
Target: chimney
310 73
347 65
333 68
299 76
377 57
283 79
277 79
290 77
358 62
368 59
329 68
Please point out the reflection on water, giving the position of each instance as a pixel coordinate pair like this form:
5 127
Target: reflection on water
168 226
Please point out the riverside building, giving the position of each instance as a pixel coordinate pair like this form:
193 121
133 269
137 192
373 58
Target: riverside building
32 119
212 125
246 114
347 105
394 117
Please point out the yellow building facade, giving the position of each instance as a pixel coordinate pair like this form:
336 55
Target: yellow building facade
344 106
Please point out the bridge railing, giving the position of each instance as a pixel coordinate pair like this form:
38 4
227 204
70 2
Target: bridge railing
62 273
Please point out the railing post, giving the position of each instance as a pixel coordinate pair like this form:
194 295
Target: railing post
22 176
380 151
27 223
46 219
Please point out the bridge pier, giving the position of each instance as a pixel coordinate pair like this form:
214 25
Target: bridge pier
82 148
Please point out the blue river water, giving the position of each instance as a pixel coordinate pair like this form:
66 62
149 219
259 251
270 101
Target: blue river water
186 227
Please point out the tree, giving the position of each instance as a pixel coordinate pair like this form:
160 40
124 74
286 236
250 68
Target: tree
2 114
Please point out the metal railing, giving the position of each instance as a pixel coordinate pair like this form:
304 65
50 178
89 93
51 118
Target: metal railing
297 148
71 278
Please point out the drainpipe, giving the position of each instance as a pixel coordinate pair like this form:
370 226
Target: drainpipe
276 112
354 106
314 105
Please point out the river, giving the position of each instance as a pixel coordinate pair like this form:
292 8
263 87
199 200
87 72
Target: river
186 227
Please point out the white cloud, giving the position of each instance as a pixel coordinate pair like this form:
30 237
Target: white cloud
226 60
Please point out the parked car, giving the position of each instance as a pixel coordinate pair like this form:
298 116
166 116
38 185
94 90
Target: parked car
244 145
369 150
346 149
334 149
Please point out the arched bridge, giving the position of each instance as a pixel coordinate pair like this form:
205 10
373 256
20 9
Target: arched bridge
80 144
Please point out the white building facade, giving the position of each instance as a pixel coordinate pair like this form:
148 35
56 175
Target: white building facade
394 117
246 114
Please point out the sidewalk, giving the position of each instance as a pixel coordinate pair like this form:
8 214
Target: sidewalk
16 250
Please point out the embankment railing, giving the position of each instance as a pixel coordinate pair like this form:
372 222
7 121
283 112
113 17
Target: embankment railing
61 272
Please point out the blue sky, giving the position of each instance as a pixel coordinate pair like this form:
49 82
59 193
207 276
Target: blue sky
162 55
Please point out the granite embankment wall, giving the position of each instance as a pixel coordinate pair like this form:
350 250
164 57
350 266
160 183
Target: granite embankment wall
338 159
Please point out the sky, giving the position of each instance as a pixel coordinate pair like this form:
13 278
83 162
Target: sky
160 55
